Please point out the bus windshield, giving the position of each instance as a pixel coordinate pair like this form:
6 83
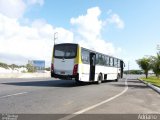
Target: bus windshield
65 51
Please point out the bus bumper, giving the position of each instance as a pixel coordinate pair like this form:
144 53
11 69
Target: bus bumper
66 77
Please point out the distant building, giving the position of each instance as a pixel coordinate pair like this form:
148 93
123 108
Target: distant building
39 65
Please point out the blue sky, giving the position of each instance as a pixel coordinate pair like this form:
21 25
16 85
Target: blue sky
130 28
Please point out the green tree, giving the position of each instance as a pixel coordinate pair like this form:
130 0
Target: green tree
4 65
145 65
30 68
13 66
155 64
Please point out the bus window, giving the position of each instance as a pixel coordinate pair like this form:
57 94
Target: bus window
85 56
107 60
100 59
103 60
119 63
115 62
65 51
97 62
111 61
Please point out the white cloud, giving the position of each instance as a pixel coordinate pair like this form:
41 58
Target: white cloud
88 24
115 19
88 32
12 8
17 8
33 42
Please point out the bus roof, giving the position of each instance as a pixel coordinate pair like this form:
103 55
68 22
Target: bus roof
89 50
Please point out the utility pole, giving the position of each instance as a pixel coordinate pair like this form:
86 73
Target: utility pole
55 36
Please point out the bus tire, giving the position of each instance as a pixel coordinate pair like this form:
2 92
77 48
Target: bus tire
99 80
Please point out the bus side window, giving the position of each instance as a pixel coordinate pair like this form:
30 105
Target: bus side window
100 59
107 60
115 62
97 59
111 61
119 63
103 60
85 56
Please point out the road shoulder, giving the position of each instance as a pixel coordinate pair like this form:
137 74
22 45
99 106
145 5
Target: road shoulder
155 88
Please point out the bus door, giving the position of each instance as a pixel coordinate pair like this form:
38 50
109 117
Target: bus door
121 66
92 66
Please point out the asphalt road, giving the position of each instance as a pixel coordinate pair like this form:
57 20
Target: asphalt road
50 96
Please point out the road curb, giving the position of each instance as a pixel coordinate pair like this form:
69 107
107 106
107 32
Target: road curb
155 88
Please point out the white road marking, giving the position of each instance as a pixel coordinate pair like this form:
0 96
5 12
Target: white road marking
96 105
13 94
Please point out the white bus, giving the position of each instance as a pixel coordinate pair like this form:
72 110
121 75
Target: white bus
73 62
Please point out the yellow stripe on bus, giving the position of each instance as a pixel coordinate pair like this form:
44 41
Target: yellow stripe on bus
52 55
78 57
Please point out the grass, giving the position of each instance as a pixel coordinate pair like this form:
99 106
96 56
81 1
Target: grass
153 80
